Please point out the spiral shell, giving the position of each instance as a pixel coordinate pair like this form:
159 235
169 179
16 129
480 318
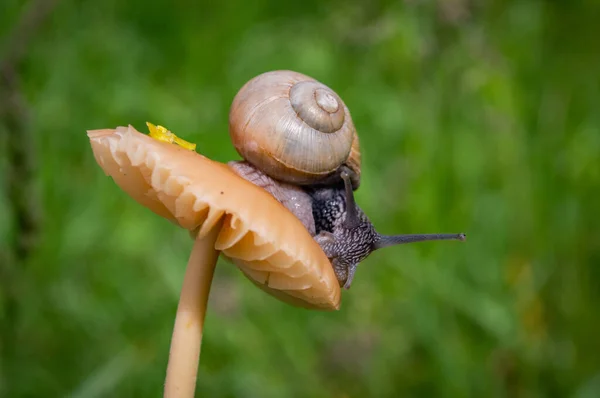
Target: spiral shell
293 128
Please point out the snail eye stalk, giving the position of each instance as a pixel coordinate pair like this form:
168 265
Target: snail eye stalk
352 219
392 240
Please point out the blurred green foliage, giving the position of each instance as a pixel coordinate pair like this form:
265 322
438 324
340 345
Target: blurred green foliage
474 116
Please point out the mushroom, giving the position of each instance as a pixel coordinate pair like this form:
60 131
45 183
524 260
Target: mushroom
226 215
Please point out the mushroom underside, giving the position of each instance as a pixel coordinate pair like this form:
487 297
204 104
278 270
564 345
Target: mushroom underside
269 245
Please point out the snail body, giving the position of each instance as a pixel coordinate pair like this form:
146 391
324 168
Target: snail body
299 143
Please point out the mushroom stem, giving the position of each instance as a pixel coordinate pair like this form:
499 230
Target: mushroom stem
184 355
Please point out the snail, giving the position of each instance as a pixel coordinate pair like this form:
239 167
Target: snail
299 143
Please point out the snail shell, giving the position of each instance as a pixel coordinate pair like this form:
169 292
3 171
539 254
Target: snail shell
293 128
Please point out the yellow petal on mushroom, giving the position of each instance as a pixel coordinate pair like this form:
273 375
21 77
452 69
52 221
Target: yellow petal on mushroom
163 134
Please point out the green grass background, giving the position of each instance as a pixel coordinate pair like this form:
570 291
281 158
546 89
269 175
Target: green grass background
474 116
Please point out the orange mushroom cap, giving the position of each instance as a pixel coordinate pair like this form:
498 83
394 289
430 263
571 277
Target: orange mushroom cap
258 234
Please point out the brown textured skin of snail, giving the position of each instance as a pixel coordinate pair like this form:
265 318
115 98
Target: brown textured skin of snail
299 143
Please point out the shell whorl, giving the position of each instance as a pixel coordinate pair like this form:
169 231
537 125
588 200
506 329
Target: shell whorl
292 127
317 106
